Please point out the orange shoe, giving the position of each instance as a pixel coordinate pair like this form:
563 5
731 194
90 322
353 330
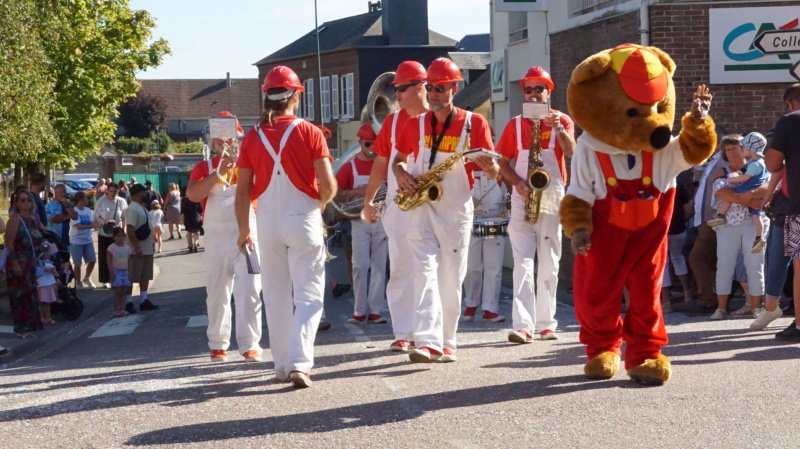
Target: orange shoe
300 379
252 356
448 356
219 355
424 355
399 346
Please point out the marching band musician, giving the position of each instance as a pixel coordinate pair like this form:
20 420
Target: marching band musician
485 260
409 90
284 163
213 182
439 232
370 250
533 311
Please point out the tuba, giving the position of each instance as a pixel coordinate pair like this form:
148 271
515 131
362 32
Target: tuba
380 103
538 179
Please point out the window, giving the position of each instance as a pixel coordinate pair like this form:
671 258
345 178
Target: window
517 26
325 96
309 99
335 95
581 7
348 108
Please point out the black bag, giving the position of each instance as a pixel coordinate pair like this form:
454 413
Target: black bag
777 210
143 231
109 228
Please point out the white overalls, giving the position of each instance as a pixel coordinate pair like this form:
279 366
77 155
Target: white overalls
292 266
369 253
226 273
485 261
439 237
529 240
396 223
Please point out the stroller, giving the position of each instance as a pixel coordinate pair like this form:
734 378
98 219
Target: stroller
71 307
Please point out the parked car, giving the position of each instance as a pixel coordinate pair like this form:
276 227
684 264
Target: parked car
76 184
172 168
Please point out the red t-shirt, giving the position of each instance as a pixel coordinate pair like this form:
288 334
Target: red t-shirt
507 145
345 176
480 136
383 144
305 145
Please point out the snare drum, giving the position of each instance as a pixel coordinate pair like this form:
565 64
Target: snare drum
490 228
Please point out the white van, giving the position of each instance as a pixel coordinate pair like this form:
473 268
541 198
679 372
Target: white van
82 176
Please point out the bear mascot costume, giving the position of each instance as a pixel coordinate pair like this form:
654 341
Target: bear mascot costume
619 203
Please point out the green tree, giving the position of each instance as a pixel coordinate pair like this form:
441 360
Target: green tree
26 84
143 114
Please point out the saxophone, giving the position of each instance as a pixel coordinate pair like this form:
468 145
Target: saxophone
428 187
538 179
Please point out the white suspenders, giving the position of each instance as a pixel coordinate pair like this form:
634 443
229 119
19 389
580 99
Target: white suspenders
277 168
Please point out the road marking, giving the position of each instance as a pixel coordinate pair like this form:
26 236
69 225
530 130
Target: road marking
118 326
198 321
6 329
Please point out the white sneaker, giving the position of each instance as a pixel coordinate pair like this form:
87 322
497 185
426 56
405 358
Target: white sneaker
765 318
719 314
89 283
107 285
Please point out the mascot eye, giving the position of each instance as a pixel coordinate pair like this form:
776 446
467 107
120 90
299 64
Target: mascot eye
633 112
661 108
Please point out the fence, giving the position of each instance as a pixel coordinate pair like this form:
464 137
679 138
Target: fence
161 180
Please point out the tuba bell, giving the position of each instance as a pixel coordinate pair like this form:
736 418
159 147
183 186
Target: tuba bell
380 103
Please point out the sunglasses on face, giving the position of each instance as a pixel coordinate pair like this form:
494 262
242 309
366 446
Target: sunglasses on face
404 87
439 88
24 200
537 89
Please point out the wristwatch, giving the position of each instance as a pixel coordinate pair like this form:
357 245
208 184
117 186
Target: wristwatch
560 129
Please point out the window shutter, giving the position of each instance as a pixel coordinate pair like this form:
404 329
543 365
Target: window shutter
326 99
335 95
350 106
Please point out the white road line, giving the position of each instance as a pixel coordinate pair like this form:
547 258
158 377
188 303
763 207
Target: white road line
198 321
118 326
6 329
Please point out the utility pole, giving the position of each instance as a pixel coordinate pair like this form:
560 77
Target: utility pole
319 63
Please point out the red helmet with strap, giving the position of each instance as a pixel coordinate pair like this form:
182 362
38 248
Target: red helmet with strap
537 73
282 76
366 133
408 72
443 70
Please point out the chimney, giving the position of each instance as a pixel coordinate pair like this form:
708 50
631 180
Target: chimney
374 7
228 80
405 22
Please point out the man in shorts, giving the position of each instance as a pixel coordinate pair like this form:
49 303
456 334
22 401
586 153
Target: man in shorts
142 258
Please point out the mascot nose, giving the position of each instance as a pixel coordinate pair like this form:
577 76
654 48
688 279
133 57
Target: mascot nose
660 137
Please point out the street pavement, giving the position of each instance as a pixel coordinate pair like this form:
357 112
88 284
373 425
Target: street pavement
146 380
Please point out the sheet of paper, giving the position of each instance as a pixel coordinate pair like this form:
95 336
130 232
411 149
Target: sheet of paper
222 128
535 109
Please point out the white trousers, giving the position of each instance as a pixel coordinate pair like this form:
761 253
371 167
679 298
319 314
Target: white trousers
292 275
484 273
533 311
226 274
370 252
733 241
400 289
440 264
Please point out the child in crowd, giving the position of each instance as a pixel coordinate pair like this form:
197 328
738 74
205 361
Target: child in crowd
156 217
118 259
46 282
80 236
753 174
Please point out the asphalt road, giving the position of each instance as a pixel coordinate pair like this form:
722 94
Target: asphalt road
155 386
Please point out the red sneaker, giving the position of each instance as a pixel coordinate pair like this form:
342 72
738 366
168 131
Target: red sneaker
376 319
548 334
219 355
399 346
519 337
355 319
300 379
411 345
424 355
469 314
252 356
448 356
493 317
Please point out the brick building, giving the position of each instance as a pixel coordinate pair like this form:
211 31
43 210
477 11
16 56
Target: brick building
354 52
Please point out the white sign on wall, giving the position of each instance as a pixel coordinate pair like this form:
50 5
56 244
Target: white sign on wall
520 5
499 74
733 56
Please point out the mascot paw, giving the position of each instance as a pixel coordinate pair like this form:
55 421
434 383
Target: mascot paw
652 371
603 366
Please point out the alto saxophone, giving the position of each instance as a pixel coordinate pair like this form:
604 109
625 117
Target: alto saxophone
428 187
538 179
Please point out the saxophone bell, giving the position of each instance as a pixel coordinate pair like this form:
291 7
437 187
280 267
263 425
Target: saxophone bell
539 180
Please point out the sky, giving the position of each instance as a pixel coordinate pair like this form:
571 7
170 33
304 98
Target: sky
210 37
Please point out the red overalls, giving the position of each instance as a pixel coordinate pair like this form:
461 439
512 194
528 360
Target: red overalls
629 248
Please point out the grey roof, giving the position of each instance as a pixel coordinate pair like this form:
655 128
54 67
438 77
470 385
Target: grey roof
205 97
470 61
475 93
363 30
474 42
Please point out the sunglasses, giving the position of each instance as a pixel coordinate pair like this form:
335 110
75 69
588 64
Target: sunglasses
24 200
440 89
405 87
537 89
367 144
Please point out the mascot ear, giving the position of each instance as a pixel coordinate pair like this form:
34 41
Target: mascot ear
592 67
668 63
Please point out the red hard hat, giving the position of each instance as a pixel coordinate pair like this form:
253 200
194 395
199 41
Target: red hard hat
282 76
366 133
537 73
443 70
228 114
409 71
